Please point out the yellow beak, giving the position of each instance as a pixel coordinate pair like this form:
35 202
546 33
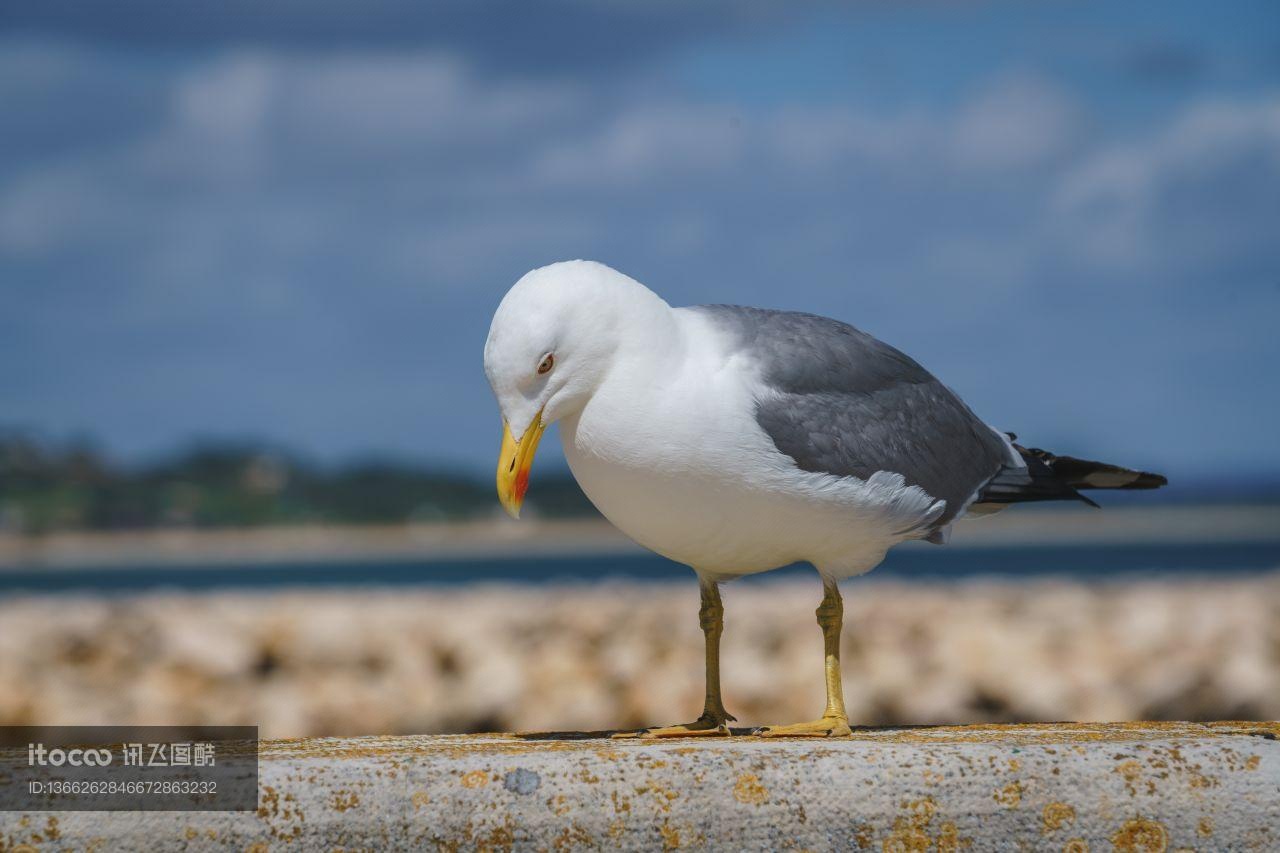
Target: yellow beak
514 461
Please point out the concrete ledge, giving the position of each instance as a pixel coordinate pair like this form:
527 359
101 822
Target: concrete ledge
1069 787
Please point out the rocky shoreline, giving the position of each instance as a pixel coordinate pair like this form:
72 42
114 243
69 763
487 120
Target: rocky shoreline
483 658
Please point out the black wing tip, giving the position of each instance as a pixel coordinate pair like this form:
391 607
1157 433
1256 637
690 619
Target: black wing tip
1048 477
1148 480
1090 474
1103 476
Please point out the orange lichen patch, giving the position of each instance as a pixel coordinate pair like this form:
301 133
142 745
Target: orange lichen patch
650 761
1205 827
748 790
1132 772
276 809
949 840
343 800
1252 762
475 779
574 837
270 802
1076 845
1141 835
912 832
1056 816
607 754
1010 795
906 839
420 799
662 795
1199 780
670 836
500 838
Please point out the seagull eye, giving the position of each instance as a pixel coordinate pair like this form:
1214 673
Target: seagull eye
548 362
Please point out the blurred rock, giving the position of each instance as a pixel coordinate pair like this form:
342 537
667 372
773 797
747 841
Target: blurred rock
337 662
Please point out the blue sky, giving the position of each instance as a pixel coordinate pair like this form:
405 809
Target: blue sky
293 221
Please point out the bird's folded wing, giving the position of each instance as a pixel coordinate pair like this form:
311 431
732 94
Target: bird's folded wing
838 401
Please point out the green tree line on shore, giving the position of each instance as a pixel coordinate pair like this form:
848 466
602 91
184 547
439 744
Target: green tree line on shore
47 487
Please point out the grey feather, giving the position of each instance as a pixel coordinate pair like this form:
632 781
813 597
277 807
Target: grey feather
842 402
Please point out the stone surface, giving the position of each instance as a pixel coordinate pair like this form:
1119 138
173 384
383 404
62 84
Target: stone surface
1069 787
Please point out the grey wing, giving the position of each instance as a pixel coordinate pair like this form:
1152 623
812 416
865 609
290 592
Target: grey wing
842 402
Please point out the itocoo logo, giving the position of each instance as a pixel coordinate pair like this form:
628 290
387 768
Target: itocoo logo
38 755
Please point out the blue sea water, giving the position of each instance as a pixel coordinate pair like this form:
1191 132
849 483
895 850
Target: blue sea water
1086 562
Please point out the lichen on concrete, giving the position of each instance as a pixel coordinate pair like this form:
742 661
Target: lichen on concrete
1069 787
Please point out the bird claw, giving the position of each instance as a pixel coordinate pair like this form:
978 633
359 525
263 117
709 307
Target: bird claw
701 727
825 727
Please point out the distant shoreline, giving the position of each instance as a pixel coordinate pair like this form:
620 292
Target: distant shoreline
545 537
318 543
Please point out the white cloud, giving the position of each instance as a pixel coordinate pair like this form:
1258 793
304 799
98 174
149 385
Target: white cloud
245 114
815 140
228 100
646 142
269 155
1017 122
249 136
39 212
1163 196
449 256
414 99
1014 123
254 204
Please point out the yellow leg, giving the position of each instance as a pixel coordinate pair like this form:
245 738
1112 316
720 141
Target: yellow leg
714 720
835 720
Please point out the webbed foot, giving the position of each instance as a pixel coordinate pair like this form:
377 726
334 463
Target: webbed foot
705 726
831 726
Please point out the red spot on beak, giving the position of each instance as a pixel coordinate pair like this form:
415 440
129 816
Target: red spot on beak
522 484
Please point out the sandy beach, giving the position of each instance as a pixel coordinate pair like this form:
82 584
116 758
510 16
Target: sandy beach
502 537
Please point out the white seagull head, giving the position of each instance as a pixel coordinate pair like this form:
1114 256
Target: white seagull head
552 342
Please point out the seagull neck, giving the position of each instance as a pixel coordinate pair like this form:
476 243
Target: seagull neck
648 331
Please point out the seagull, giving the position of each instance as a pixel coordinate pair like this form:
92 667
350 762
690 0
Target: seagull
737 440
